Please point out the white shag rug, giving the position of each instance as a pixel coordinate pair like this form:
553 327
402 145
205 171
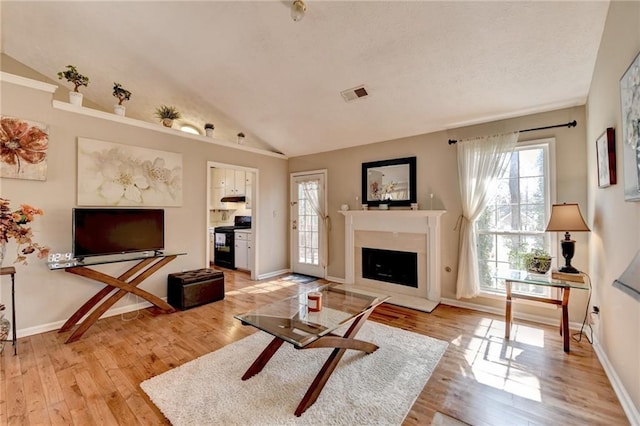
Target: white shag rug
375 389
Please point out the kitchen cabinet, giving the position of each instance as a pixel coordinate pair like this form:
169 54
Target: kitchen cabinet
242 241
234 182
217 177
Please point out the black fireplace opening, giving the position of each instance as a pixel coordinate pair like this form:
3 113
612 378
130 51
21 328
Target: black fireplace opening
397 267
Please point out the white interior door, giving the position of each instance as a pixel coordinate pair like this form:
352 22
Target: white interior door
308 224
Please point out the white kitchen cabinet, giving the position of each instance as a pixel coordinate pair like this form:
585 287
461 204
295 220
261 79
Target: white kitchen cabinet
217 176
239 182
248 197
234 182
216 196
242 240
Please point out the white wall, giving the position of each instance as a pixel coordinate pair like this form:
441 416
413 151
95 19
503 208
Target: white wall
615 236
48 297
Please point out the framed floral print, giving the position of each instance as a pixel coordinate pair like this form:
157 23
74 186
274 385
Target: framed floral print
630 103
111 174
606 155
23 148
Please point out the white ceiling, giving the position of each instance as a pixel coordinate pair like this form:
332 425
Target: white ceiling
246 66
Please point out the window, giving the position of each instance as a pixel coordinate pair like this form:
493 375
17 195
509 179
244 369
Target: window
308 230
513 222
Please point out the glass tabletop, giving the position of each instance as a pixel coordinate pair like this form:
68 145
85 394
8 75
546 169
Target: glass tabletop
515 275
291 320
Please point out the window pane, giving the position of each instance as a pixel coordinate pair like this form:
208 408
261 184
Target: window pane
514 220
532 189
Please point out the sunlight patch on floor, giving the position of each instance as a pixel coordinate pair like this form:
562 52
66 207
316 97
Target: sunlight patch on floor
493 360
263 287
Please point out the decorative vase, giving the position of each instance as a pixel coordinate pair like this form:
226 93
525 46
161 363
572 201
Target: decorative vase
119 110
75 98
167 122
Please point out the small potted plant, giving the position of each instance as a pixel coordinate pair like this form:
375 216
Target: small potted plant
240 138
537 261
208 129
123 95
72 75
167 114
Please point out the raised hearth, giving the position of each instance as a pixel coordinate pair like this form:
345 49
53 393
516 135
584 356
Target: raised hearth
411 231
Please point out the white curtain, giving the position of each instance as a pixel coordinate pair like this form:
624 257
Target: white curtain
311 192
480 162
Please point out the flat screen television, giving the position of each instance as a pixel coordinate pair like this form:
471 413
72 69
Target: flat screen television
107 231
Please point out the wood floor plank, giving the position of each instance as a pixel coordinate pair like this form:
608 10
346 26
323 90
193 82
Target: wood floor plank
482 379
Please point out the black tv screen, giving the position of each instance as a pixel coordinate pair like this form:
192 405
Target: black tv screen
111 231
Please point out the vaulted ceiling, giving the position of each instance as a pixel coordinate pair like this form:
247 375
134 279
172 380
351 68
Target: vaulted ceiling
247 66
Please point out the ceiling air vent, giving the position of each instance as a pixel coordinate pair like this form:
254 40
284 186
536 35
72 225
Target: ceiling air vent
354 93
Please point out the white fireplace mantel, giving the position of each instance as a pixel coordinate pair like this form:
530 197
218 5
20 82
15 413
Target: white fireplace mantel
425 222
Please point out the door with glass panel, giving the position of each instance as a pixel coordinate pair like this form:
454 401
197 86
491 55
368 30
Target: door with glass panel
308 224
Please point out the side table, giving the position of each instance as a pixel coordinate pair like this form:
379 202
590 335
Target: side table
10 270
549 280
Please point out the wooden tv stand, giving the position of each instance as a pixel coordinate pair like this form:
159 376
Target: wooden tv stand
126 283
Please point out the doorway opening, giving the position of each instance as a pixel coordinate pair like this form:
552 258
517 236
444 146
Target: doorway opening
231 217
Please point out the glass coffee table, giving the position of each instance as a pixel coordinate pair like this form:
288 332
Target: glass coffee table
291 321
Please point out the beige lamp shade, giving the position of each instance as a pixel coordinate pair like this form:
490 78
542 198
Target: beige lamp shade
566 217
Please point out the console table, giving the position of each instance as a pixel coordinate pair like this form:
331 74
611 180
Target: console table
516 276
10 270
126 283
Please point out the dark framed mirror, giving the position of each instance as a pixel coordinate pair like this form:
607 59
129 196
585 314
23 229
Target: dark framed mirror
391 182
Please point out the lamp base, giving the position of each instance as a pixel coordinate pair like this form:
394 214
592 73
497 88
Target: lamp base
569 270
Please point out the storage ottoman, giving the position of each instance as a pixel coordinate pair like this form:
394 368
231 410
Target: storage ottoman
194 288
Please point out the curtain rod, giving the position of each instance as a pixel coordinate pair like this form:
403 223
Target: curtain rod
570 124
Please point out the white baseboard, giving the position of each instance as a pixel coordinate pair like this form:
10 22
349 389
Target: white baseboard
272 274
500 311
633 415
43 328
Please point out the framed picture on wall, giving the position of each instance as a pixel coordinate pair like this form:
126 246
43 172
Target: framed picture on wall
606 153
630 103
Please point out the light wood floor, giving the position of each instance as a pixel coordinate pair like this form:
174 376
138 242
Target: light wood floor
481 379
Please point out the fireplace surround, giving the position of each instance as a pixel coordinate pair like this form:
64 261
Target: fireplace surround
416 231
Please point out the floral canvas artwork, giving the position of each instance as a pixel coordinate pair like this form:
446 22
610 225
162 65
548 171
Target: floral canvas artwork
630 99
111 174
23 149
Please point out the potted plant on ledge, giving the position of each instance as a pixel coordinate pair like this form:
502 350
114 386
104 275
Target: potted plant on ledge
208 129
167 114
72 75
123 95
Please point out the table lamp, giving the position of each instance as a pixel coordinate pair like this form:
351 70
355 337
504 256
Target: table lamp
567 217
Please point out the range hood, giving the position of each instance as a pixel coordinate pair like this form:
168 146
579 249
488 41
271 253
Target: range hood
234 199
